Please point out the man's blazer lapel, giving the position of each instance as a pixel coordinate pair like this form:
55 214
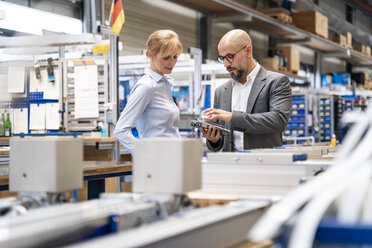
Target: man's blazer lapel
257 86
227 96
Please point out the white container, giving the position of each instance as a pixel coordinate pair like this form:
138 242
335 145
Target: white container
47 164
167 165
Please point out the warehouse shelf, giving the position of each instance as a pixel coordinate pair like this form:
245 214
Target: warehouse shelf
293 76
287 33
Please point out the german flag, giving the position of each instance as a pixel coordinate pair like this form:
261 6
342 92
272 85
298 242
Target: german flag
118 17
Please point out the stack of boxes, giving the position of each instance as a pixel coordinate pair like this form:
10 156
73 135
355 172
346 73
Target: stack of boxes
312 21
341 40
349 40
364 49
292 55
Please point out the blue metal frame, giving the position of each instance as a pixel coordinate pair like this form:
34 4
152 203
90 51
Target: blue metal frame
75 134
330 231
96 183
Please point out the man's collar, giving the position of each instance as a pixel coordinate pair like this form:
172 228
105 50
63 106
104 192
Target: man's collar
251 75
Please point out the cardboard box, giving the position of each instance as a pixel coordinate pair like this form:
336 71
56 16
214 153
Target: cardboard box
270 63
366 76
326 80
293 56
340 39
368 50
341 78
360 48
349 39
312 21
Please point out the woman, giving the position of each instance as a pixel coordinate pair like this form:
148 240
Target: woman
150 106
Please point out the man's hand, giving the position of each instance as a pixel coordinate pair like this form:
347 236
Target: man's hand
218 114
211 133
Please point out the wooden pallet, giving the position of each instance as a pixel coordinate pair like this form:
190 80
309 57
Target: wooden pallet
320 36
340 40
284 18
294 72
282 69
344 45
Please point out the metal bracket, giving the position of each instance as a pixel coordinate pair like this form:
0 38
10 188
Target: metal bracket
102 29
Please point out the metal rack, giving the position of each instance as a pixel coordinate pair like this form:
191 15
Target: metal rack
297 124
348 102
22 51
326 117
72 123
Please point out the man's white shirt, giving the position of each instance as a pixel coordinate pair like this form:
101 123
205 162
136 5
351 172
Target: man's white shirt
239 101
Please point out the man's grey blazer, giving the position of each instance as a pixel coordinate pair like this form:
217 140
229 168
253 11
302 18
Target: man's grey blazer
268 111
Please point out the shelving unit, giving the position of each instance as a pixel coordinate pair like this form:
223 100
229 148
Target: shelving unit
22 51
297 124
290 34
71 122
348 102
326 117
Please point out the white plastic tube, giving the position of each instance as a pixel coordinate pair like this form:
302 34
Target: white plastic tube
269 224
350 203
306 225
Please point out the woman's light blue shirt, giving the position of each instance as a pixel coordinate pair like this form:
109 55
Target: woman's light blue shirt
151 109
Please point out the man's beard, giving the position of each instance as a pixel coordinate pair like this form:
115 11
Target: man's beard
239 74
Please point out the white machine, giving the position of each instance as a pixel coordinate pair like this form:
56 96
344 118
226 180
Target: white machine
259 174
161 165
167 165
47 164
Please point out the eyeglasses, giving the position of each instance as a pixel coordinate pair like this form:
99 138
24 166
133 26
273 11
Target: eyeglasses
229 57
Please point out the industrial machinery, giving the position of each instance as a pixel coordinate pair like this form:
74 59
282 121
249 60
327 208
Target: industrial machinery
260 173
43 169
161 215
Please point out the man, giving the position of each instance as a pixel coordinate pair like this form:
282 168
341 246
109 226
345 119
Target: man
255 104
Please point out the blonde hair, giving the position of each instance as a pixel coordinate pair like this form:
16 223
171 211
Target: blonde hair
163 42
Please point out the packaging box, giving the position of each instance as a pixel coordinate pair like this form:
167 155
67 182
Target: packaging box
349 39
293 56
270 63
341 78
360 48
366 76
340 39
326 80
368 51
312 21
